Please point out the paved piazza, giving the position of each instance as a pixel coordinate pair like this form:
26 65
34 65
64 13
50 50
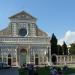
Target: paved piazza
13 71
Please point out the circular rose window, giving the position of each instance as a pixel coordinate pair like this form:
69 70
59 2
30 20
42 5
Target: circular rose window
22 32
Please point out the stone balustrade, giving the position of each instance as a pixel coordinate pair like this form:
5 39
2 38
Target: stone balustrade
66 59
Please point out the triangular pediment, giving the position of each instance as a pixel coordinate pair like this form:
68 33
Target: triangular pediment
22 15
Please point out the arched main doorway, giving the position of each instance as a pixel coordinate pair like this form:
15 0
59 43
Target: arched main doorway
36 59
54 59
23 53
9 59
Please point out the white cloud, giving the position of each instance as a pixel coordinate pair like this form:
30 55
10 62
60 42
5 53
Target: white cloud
68 38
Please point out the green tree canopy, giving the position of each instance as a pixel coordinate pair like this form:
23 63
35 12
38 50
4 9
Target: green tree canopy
65 49
60 50
72 49
53 40
54 48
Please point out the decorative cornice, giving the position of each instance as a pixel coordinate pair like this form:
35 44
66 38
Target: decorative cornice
22 15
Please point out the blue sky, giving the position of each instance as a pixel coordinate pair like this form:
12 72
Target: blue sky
54 16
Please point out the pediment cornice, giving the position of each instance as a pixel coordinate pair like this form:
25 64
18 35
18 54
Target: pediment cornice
22 16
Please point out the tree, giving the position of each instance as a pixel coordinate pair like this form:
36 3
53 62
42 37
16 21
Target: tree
72 49
60 50
54 48
65 49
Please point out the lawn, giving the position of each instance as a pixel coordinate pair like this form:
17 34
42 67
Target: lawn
41 71
45 71
71 70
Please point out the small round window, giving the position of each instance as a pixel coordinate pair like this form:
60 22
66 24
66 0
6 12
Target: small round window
22 32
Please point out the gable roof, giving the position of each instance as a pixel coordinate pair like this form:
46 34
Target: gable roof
22 13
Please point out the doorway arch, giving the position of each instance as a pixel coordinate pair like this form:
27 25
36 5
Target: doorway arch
23 54
54 59
36 59
9 59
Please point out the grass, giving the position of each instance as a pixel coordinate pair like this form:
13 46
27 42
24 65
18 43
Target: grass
45 71
41 71
71 70
23 72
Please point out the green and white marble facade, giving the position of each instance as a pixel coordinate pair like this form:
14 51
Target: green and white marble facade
35 42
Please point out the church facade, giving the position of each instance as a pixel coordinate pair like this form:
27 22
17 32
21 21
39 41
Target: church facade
22 42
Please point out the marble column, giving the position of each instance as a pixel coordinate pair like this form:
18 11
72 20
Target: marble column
49 58
60 59
64 60
68 58
2 55
16 58
71 59
28 55
57 59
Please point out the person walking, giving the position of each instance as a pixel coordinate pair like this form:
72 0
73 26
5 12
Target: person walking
35 71
53 71
30 70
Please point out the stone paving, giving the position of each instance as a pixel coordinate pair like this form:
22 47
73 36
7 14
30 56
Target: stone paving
12 71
